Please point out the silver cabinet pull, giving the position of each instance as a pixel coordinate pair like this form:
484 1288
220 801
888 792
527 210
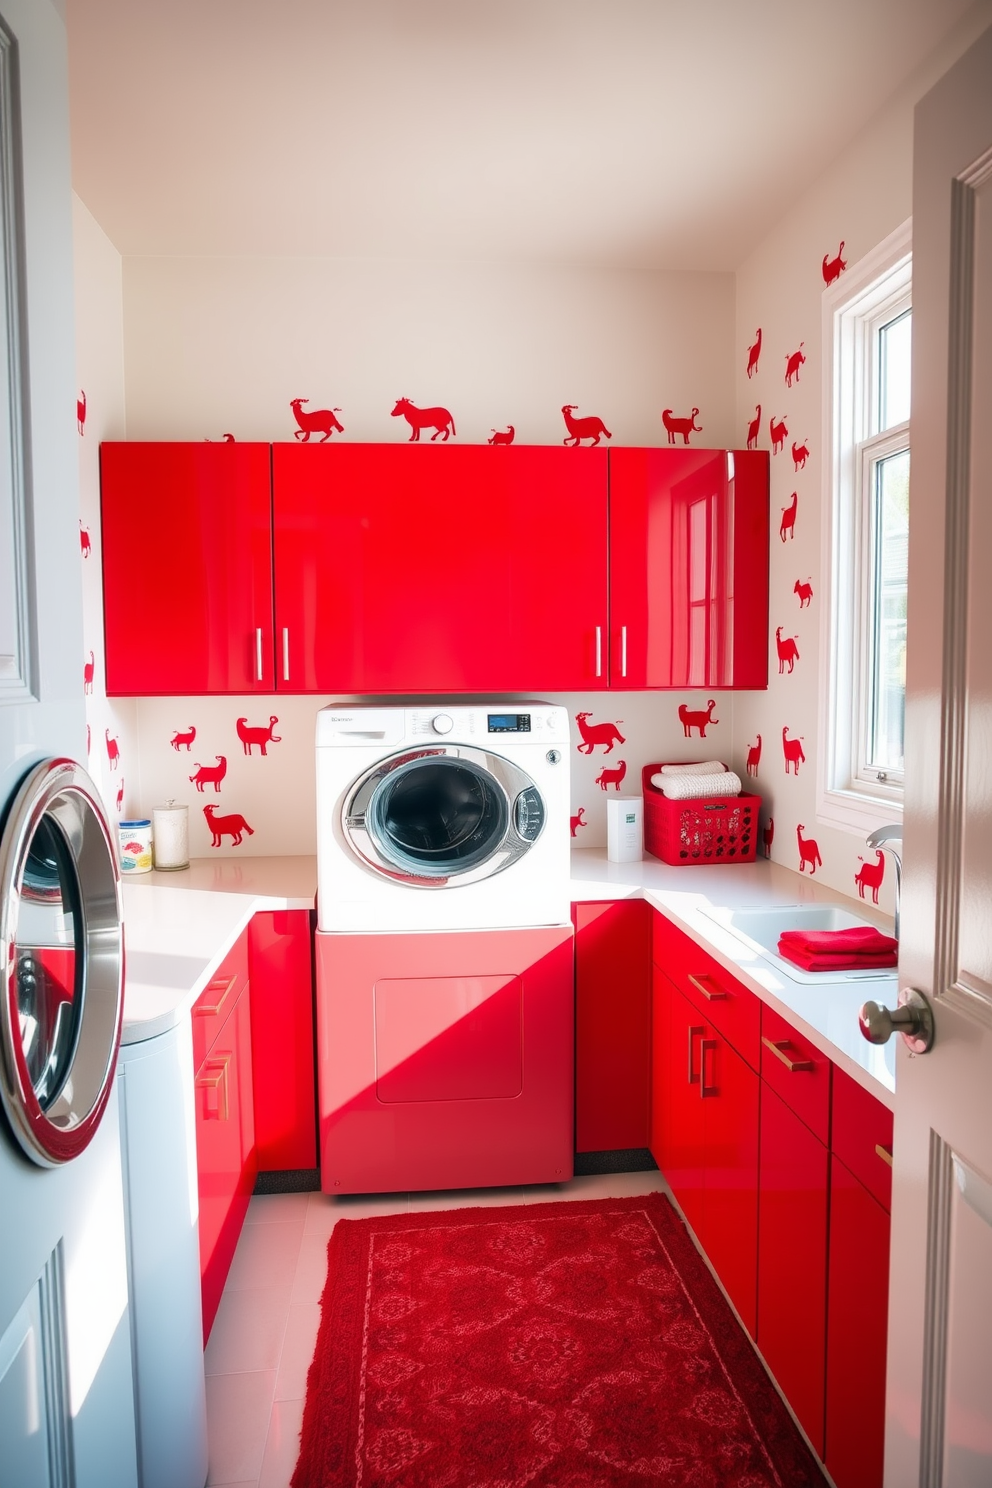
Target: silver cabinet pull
285 653
258 653
599 650
623 650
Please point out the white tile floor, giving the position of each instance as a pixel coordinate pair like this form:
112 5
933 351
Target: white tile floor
264 1334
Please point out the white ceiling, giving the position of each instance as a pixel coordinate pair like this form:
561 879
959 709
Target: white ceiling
637 132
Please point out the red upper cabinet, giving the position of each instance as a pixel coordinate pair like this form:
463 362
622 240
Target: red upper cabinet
187 567
688 568
424 568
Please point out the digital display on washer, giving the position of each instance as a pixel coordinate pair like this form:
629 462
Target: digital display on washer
509 723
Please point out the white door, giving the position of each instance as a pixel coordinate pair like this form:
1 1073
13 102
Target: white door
939 1409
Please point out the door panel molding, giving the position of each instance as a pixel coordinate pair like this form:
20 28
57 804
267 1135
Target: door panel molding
34 1385
936 1304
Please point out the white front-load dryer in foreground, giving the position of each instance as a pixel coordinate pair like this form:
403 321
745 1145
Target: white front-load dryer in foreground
448 816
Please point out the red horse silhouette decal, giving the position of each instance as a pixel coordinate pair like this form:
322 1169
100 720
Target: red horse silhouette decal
260 736
606 777
809 852
700 720
178 739
226 826
88 667
606 734
438 419
768 836
313 421
793 751
800 454
578 820
210 774
754 428
753 757
85 545
502 436
779 434
589 427
683 426
788 651
870 875
788 522
81 411
834 267
113 750
753 353
805 592
792 365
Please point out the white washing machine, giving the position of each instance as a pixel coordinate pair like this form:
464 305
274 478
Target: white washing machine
442 816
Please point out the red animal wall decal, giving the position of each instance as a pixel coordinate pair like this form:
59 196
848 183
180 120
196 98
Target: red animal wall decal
753 353
120 797
787 649
210 774
606 734
311 421
779 434
88 668
502 436
700 720
606 777
258 736
754 428
89 741
113 750
834 267
754 757
590 427
81 411
683 426
792 365
805 592
180 739
793 751
232 826
870 875
768 836
438 419
787 526
85 544
578 820
809 852
800 454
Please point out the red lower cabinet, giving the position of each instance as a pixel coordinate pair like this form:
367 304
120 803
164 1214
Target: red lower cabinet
280 963
612 1025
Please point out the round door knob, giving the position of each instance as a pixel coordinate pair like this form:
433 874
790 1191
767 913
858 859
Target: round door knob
442 724
913 1019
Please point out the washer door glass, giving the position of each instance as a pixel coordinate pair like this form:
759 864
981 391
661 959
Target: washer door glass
47 964
437 816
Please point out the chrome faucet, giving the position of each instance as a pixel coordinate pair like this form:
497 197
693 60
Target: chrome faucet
884 837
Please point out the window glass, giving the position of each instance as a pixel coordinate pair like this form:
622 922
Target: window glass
887 619
894 354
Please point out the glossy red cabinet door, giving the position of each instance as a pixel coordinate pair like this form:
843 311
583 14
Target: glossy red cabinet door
729 1092
422 568
792 1259
187 567
688 568
677 1140
612 1024
280 963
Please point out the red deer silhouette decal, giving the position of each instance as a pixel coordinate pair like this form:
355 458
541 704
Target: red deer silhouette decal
788 522
502 436
88 667
753 757
589 427
311 421
113 750
85 545
753 353
800 454
438 419
683 426
578 820
809 852
870 875
768 836
700 720
805 592
226 826
260 736
788 651
81 411
754 428
834 267
178 740
606 734
606 777
779 434
210 774
792 365
793 751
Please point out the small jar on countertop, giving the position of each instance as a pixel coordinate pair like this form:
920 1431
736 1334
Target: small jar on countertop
171 837
135 839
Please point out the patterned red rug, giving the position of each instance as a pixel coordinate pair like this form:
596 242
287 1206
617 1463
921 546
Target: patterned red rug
562 1345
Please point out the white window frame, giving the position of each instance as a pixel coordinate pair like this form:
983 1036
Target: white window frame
867 296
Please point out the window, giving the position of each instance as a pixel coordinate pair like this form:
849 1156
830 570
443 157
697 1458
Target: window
868 323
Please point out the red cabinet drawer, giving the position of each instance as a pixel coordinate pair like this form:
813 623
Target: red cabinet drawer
862 1136
797 1071
731 1007
280 959
612 1024
218 997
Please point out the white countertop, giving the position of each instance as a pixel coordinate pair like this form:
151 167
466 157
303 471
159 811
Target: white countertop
179 927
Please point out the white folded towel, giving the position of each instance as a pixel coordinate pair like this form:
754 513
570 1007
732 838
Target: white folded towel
694 787
703 767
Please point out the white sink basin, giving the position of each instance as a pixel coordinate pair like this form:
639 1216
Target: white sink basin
759 929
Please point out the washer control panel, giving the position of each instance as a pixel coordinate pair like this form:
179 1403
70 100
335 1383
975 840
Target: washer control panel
508 723
442 723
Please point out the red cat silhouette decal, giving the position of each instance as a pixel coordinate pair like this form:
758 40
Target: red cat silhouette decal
779 434
787 526
502 436
834 267
700 719
792 365
232 826
754 428
578 820
258 736
805 592
589 427
800 454
753 353
683 426
311 421
606 734
81 411
438 419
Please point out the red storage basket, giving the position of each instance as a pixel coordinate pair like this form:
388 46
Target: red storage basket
714 829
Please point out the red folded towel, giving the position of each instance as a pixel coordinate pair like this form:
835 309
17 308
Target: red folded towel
839 950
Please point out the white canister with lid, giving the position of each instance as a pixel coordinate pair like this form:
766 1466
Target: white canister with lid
171 837
135 839
625 829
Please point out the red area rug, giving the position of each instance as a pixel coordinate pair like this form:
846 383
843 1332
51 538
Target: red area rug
562 1345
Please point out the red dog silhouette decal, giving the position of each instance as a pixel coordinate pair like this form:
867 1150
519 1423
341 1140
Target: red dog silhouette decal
870 875
788 522
606 777
809 852
502 436
120 797
578 820
81 411
311 421
260 736
683 426
792 365
800 454
606 734
210 774
753 757
113 750
805 592
85 545
779 434
754 428
178 739
88 667
696 720
793 751
226 826
438 419
834 267
768 836
788 651
753 353
589 427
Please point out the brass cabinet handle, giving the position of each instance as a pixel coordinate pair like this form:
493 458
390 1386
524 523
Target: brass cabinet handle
693 1031
704 1089
884 1153
778 1048
697 982
208 1010
215 1078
